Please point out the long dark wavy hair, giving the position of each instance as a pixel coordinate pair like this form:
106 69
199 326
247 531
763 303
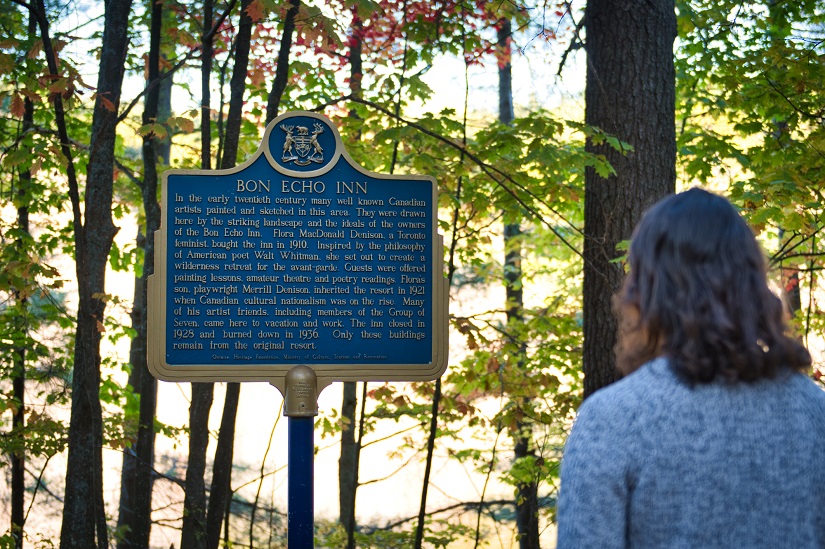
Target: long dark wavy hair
697 293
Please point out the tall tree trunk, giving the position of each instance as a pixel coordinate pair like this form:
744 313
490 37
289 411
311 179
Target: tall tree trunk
18 458
206 91
425 484
84 516
630 93
193 533
222 465
237 87
135 515
347 477
163 147
282 69
526 493
348 461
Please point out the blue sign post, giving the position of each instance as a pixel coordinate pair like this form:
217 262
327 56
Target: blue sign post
300 407
299 259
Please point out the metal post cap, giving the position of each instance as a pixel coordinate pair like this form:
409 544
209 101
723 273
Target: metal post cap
301 395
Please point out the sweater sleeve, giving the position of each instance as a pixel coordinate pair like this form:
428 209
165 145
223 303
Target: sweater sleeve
594 493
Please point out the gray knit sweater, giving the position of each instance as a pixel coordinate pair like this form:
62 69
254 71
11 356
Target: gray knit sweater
652 462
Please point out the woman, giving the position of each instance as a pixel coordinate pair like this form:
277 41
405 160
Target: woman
715 437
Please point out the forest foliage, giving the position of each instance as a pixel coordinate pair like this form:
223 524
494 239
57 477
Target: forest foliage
750 124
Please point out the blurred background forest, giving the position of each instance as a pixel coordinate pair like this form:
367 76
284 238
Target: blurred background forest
549 126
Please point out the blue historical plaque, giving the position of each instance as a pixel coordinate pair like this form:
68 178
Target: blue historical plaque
298 256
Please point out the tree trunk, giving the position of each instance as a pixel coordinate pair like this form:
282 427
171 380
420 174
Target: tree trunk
425 484
526 493
348 461
206 90
237 87
135 515
83 511
222 467
630 93
282 68
193 534
163 147
18 459
347 477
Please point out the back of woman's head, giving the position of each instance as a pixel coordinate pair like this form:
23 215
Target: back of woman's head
697 293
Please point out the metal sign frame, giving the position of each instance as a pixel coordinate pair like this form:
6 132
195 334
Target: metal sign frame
298 148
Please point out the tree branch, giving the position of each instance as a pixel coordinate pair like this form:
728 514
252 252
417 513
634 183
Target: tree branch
177 65
497 175
39 12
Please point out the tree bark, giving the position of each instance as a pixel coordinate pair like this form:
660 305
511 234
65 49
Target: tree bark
347 477
194 503
224 451
193 534
84 516
135 516
425 484
282 69
630 93
237 87
163 147
18 458
348 461
222 467
206 90
526 493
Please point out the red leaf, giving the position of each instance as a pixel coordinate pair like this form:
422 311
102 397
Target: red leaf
256 77
256 10
107 104
17 107
32 96
37 47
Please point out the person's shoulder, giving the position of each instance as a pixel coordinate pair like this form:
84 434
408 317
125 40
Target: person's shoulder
651 377
631 396
805 384
808 392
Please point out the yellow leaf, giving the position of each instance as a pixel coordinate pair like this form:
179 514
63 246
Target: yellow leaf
36 166
186 125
